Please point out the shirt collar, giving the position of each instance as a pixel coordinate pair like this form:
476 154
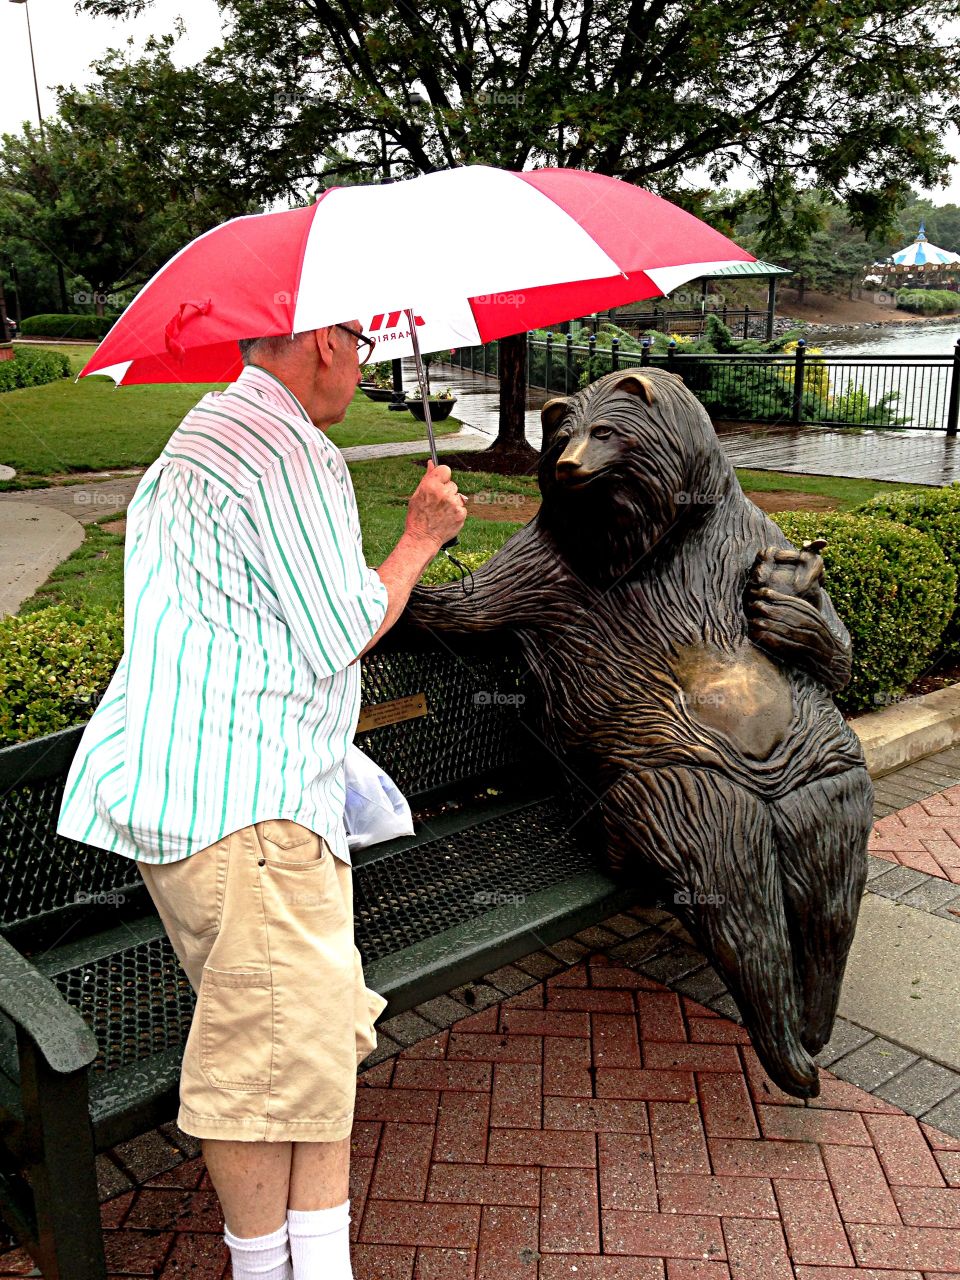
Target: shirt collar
269 387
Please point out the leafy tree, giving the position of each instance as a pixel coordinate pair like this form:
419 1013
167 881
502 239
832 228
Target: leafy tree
101 194
837 93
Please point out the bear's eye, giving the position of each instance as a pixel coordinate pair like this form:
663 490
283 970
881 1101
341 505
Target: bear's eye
601 433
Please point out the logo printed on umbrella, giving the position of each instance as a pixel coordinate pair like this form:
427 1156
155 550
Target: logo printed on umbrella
393 321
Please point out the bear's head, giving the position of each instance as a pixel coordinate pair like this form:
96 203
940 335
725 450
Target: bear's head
627 463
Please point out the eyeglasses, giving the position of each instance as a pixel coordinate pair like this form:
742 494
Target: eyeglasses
369 344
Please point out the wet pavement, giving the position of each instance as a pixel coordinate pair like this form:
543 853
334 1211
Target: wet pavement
596 1112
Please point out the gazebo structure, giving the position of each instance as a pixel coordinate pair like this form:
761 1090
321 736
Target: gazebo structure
764 270
921 263
692 320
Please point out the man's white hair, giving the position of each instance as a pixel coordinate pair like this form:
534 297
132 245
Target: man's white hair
265 348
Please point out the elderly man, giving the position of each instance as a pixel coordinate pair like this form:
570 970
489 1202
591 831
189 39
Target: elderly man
215 759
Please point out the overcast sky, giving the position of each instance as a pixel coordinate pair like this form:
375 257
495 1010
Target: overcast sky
65 43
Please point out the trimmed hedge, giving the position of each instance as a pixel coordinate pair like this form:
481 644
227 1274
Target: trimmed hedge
61 326
32 368
932 511
54 667
894 589
891 584
928 302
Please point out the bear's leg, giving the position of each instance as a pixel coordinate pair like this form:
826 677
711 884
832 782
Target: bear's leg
822 832
713 844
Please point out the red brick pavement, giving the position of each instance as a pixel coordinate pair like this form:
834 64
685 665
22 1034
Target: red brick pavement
924 836
598 1127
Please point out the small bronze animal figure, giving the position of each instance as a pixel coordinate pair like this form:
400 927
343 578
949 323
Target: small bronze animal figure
686 652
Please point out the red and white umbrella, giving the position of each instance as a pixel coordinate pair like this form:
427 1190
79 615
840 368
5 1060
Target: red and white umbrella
475 253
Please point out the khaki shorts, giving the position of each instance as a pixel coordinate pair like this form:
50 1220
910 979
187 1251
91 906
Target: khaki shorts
262 923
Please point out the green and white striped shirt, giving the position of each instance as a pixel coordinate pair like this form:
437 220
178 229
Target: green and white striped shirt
246 600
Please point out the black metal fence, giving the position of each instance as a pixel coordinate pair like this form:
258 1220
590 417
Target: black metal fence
814 390
743 322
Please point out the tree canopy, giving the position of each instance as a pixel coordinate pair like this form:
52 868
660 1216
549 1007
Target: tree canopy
101 193
839 94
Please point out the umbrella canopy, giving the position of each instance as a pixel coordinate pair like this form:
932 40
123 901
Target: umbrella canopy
476 252
924 254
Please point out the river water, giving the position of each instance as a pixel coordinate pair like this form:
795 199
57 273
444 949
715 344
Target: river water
892 340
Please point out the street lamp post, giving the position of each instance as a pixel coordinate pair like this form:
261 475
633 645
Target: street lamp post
36 89
43 137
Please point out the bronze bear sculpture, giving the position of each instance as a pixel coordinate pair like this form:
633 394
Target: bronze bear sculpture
685 652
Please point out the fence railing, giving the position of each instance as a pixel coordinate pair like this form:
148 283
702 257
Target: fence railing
743 322
921 392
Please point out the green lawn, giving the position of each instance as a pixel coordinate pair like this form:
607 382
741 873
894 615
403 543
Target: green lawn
92 578
848 493
92 425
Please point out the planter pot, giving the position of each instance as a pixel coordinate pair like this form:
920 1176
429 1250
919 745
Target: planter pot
380 394
439 409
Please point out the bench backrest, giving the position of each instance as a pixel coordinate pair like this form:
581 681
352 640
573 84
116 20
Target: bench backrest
471 729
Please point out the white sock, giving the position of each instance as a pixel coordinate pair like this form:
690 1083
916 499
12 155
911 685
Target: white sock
260 1257
320 1243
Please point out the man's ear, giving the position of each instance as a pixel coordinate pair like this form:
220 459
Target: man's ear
325 340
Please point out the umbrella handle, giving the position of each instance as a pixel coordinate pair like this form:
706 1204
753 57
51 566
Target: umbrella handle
421 378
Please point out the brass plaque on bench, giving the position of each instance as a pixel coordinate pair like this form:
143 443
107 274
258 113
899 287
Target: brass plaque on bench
377 714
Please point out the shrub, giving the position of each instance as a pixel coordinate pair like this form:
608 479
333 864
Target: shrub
32 368
54 666
444 570
928 302
62 326
894 590
932 511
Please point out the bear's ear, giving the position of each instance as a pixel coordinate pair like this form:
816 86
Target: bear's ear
553 413
637 385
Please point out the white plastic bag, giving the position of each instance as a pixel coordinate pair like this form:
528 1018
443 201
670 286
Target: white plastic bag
374 809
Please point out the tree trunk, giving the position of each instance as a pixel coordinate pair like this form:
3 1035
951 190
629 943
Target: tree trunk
801 290
511 441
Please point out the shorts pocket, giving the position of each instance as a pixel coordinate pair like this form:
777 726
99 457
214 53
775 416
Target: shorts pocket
236 1028
282 836
285 833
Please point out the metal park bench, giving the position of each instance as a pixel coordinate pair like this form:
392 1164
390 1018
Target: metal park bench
95 1009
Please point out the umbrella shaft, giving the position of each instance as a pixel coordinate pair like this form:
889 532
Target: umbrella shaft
422 379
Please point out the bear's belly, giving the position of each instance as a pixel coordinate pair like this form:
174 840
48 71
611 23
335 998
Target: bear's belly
740 693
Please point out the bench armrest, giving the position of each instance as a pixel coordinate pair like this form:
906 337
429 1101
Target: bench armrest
35 1005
